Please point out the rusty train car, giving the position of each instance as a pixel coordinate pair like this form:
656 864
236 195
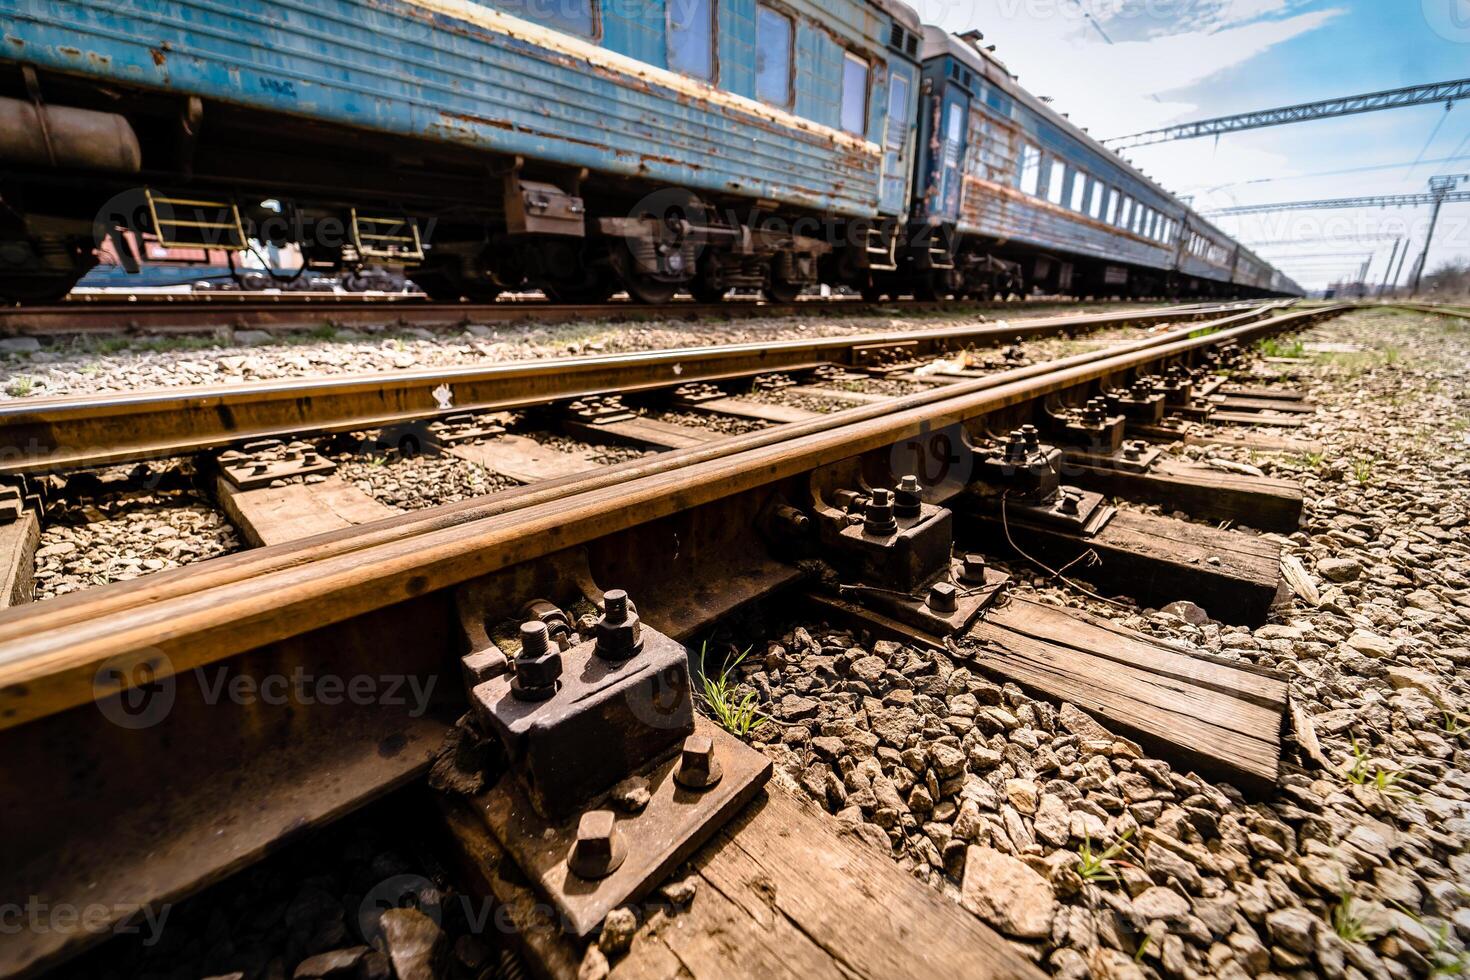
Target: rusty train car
1012 195
579 147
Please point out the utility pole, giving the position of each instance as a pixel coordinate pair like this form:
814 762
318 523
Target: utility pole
1362 286
1399 272
1389 271
1439 188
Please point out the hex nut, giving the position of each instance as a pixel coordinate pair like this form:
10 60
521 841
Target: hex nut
698 766
599 849
619 630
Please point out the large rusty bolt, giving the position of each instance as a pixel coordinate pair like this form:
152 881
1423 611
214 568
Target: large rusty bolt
599 849
943 598
972 568
907 498
1031 437
538 666
1016 447
698 767
1069 500
792 521
1093 413
1133 449
878 513
619 631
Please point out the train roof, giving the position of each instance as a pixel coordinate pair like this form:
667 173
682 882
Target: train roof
901 12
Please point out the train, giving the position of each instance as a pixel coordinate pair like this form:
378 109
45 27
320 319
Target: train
578 147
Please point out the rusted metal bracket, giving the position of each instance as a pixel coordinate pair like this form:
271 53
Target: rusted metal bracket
836 374
1088 428
696 392
772 382
1140 403
263 462
1021 478
893 553
468 427
599 410
580 704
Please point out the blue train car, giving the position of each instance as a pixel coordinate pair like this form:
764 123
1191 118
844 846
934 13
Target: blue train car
575 145
1011 196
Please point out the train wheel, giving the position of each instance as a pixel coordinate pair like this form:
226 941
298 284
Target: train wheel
704 292
446 287
597 288
40 290
780 291
642 289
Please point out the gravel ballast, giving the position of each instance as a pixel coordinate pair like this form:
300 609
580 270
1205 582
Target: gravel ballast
1101 861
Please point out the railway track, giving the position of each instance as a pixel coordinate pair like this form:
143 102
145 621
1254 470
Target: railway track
694 534
66 433
210 313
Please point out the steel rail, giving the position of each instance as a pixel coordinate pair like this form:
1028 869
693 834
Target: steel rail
50 655
193 316
71 432
225 570
217 785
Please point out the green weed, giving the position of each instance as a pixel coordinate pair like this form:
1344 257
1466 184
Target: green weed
1098 865
1363 470
1277 347
1346 921
736 713
20 387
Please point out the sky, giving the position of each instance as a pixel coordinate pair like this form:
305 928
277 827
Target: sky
1122 66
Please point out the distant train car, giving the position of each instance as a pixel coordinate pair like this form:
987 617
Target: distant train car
488 146
1011 195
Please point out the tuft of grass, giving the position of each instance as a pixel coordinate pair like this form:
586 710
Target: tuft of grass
1386 783
1358 774
20 387
736 713
1098 865
1308 461
1347 922
1454 724
1363 470
1276 347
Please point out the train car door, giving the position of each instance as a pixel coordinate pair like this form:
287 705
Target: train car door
956 118
896 137
953 122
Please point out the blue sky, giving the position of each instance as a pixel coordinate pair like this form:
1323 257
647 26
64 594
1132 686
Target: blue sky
1177 60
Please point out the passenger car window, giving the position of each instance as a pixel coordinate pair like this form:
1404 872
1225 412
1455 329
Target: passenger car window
1079 184
1099 199
772 56
854 94
572 16
692 37
1030 169
1054 182
898 111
